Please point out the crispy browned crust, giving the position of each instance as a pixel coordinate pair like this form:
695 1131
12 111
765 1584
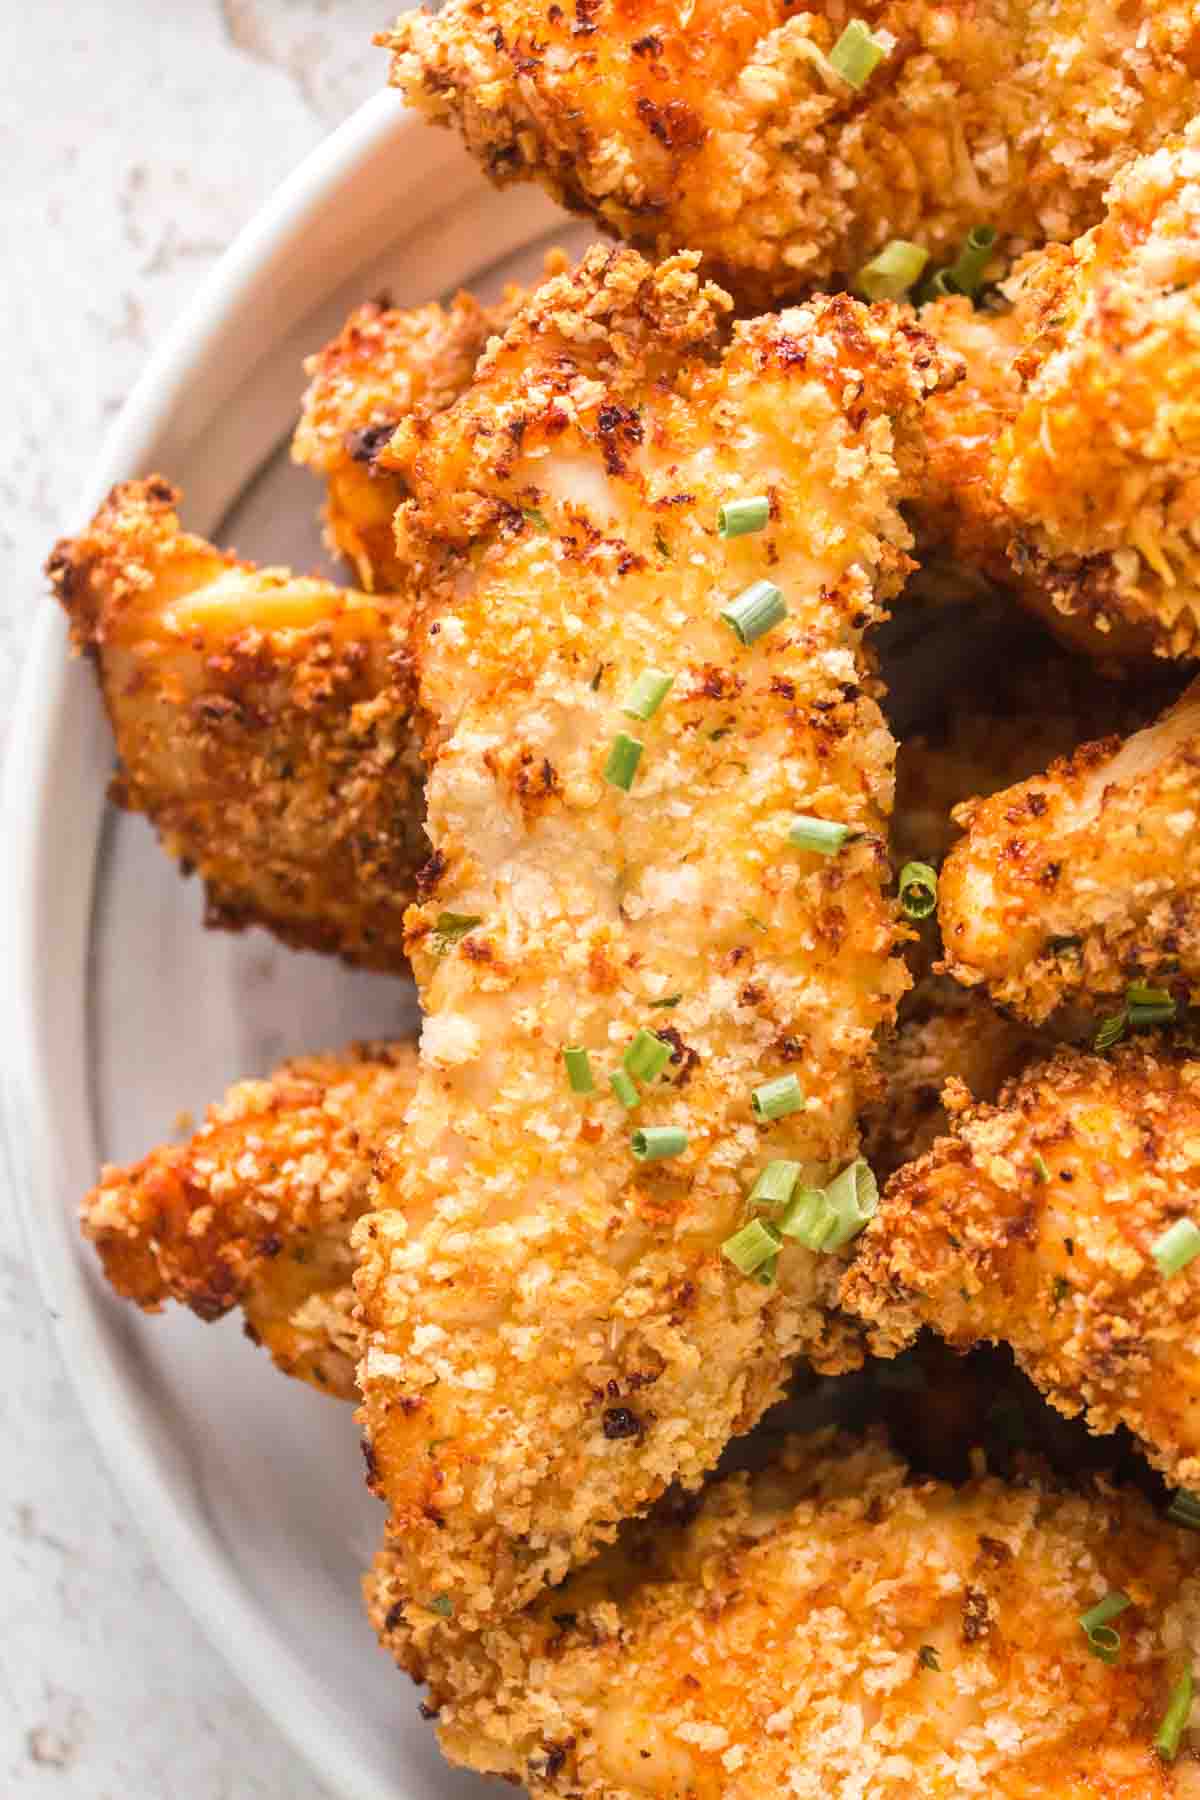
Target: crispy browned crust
255 1209
385 365
264 723
554 1334
832 1627
722 129
1085 878
971 1240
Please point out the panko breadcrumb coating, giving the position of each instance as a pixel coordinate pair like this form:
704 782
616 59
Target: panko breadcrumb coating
835 1629
385 364
255 1209
695 124
1034 1225
264 724
554 1334
1079 881
1067 461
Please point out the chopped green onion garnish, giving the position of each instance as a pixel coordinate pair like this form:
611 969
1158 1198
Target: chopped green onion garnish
889 275
1041 1168
452 926
623 759
966 271
737 517
775 1184
767 1273
625 1089
1177 1246
1148 1005
755 611
647 1056
647 694
667 1000
775 1099
938 287
658 1141
809 1217
579 1069
442 1605
918 890
751 1247
1103 1641
857 54
1175 1718
821 835
854 1196
1111 1031
1185 1509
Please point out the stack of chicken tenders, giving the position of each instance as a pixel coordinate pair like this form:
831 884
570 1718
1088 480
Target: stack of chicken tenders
754 1046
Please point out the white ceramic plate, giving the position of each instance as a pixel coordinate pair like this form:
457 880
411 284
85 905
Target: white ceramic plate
120 1011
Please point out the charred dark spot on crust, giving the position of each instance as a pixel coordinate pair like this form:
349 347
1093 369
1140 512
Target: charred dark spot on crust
394 1617
409 1403
365 444
620 430
370 1459
585 18
993 1552
426 1712
675 125
620 1422
683 1057
647 46
976 1620
789 1049
545 1764
429 874
717 684
271 1246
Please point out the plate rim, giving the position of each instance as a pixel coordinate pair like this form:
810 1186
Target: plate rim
182 1541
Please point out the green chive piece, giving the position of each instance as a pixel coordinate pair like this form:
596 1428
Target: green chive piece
751 1247
647 694
1185 1509
857 54
579 1069
1111 1031
1041 1168
765 1276
918 890
656 1142
888 276
667 1000
1148 1005
756 611
1176 1248
623 759
442 1605
775 1099
966 271
775 1184
452 926
536 516
938 287
810 1218
927 1656
1175 1718
647 1056
821 835
1103 1641
737 517
625 1089
854 1197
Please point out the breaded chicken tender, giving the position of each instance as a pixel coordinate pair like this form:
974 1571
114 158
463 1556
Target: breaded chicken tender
1035 1225
1068 459
255 1209
385 365
834 1629
264 724
1080 881
554 1333
692 124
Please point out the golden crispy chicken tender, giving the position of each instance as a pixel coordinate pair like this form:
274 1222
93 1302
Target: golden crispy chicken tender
829 1629
385 364
1035 1225
1086 878
255 1209
726 130
1068 459
554 1334
264 723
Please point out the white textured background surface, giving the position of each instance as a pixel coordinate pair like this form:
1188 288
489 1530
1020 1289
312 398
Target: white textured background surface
137 136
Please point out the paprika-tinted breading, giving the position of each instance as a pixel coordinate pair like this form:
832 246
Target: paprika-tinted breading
834 1628
255 1209
264 723
553 1332
724 129
1035 1223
